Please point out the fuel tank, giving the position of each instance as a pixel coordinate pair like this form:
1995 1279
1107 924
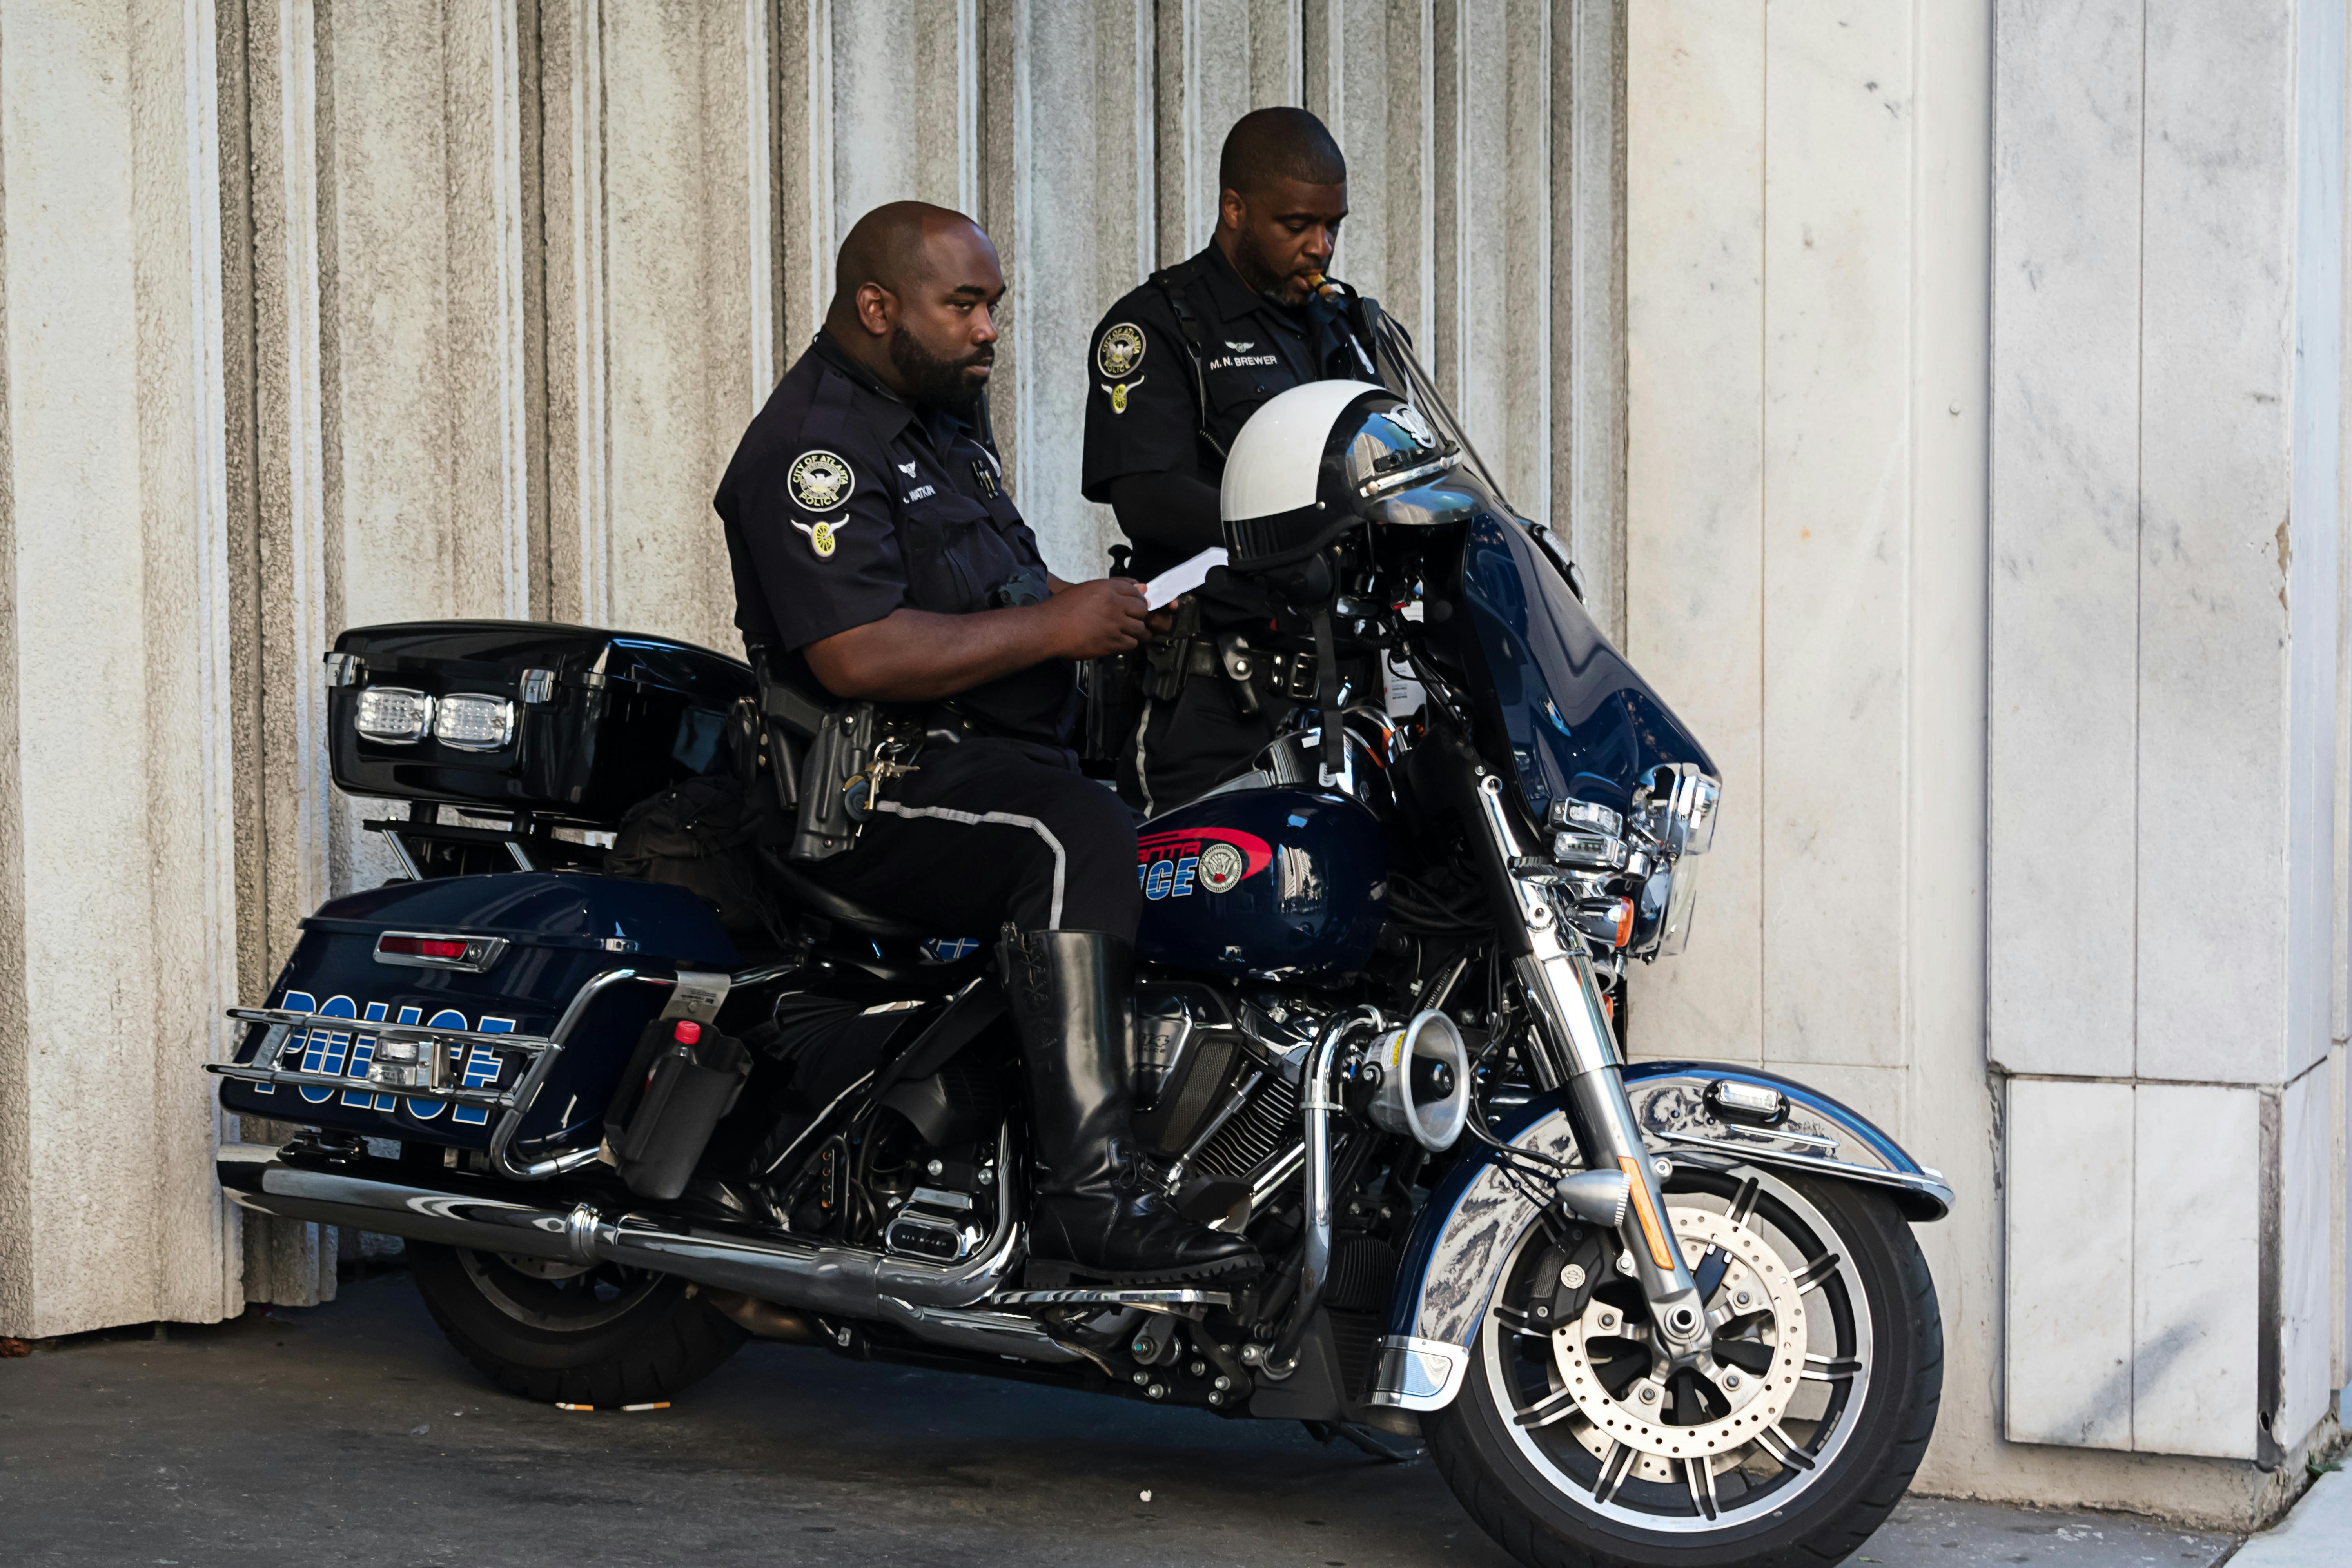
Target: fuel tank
1272 883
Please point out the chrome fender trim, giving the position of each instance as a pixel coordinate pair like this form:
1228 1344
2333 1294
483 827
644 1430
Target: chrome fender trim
1453 1259
1677 1105
1418 1374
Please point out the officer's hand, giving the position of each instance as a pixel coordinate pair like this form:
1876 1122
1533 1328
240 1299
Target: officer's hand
1105 616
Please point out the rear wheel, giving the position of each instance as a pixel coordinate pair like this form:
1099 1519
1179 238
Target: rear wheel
598 1334
1577 1443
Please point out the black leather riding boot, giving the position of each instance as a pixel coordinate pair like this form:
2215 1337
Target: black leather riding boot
1073 999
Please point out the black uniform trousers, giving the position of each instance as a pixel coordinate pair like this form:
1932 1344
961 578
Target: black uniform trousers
1185 745
986 831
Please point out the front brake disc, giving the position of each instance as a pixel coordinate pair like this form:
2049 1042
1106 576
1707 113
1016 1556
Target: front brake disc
1756 1400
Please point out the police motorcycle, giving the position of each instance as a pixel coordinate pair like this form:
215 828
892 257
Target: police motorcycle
1641 1312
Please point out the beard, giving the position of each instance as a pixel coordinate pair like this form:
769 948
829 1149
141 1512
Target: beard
931 381
1258 273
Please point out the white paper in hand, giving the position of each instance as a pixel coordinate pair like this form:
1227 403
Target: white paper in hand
1182 578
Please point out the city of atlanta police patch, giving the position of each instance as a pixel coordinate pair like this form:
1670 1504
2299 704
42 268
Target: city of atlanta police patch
1120 351
819 480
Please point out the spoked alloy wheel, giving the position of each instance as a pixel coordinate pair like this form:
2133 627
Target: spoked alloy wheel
595 1335
1786 1437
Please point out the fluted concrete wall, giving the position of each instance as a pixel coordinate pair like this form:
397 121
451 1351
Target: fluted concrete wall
319 313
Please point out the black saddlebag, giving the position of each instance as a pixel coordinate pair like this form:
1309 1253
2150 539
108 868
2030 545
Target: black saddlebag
568 722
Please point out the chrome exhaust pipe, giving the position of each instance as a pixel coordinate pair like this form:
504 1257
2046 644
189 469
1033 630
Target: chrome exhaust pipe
472 1214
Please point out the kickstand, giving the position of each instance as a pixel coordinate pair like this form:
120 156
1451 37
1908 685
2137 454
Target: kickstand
1360 1436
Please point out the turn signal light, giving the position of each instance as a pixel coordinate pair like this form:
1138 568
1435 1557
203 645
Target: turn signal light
1611 920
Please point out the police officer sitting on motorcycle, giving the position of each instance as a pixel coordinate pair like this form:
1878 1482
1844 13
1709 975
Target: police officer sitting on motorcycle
877 558
1178 366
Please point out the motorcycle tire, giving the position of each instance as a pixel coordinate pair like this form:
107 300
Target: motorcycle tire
1539 1482
600 1336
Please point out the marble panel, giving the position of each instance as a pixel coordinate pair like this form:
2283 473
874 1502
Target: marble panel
2062 602
2306 1253
1695 386
1836 436
2196 1268
1951 1111
2068 1170
2216 379
2314 930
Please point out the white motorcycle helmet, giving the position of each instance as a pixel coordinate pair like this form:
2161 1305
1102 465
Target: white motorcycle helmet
1321 458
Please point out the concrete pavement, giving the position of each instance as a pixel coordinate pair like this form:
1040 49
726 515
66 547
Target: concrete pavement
353 1432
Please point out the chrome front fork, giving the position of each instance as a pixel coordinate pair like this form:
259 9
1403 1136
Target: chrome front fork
1557 975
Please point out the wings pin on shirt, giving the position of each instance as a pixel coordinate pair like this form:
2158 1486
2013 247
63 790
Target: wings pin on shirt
823 533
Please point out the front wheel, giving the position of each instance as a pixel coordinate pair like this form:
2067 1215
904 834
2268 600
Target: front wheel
1577 1443
598 1334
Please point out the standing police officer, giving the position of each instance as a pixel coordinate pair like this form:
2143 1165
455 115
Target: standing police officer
877 558
1178 366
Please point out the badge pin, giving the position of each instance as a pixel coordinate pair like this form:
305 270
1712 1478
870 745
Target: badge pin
1120 351
820 480
1119 394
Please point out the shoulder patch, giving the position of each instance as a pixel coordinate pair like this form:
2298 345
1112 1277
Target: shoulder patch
1120 351
820 480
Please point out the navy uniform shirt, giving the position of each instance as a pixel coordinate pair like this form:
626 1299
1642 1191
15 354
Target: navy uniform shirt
843 503
1143 404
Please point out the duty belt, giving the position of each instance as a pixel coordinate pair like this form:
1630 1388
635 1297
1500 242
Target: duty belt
1170 662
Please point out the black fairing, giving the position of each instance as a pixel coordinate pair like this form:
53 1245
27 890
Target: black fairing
1559 707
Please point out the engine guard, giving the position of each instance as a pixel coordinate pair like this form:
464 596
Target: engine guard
1455 1257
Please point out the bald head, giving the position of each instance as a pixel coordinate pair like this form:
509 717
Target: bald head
891 247
1270 144
913 292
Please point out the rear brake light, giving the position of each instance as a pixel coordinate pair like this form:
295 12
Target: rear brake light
431 949
424 946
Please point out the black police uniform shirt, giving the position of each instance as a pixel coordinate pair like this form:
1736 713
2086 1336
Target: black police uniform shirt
843 503
1142 407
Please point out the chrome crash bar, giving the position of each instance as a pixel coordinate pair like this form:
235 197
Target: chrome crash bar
699 995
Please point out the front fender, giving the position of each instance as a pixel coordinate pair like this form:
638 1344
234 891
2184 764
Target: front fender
1455 1257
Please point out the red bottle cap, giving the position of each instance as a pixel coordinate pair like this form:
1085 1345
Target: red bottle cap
687 1032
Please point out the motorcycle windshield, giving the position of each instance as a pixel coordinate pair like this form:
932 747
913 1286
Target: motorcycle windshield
1581 722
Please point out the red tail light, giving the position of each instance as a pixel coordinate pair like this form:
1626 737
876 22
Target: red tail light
444 947
432 950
